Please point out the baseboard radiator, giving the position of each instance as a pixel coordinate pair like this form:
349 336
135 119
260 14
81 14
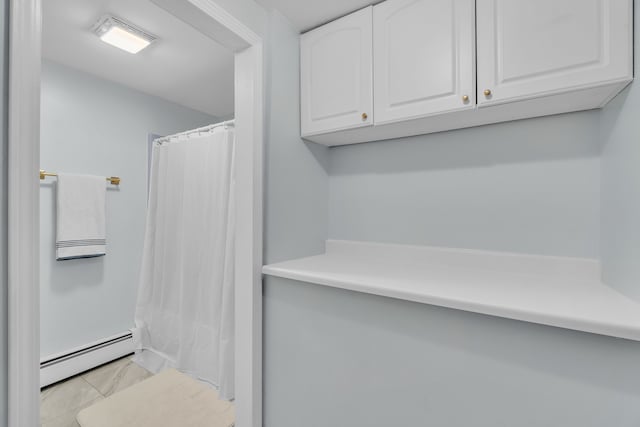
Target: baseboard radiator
63 365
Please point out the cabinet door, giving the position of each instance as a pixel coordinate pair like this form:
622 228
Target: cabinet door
336 75
424 58
530 48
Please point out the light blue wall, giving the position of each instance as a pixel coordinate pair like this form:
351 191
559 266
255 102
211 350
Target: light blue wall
4 51
296 191
93 126
529 186
620 227
339 358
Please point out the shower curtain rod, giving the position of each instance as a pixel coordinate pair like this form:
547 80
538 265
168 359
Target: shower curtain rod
198 130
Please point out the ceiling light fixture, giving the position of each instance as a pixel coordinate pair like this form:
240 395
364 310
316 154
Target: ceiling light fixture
121 34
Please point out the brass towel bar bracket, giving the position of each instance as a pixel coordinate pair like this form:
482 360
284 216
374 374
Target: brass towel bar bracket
115 180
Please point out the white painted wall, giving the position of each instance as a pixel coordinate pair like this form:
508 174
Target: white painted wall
248 12
93 126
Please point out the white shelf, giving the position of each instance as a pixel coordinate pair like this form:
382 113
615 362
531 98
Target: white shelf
555 291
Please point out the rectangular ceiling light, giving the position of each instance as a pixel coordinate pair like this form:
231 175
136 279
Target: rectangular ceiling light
120 34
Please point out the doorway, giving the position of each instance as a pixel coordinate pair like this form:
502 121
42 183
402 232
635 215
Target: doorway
24 215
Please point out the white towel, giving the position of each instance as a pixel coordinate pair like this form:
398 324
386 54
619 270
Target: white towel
81 228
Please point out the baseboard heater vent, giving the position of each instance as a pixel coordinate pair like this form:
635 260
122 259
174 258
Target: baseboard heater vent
63 365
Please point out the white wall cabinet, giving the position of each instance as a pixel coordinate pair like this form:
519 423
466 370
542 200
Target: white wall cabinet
530 48
336 80
424 58
534 58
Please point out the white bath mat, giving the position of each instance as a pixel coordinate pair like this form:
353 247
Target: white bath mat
168 399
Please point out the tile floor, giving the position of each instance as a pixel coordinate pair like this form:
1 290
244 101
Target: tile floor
60 403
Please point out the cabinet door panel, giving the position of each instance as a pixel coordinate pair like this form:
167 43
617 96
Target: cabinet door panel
528 48
424 52
336 75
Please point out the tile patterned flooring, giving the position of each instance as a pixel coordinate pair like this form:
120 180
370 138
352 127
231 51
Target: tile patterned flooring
61 402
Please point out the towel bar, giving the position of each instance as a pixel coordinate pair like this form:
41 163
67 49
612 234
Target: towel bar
115 180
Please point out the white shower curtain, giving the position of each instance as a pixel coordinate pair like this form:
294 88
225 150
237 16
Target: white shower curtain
184 314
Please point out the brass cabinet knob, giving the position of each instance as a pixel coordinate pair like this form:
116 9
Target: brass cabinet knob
487 92
465 98
364 116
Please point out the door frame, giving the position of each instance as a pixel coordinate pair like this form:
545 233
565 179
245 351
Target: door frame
25 36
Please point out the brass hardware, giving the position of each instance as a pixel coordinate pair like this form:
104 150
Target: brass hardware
114 180
465 98
487 92
364 116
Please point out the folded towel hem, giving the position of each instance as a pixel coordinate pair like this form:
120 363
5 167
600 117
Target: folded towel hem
74 252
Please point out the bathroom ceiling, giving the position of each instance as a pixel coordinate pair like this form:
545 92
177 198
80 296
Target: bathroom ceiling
308 14
182 66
